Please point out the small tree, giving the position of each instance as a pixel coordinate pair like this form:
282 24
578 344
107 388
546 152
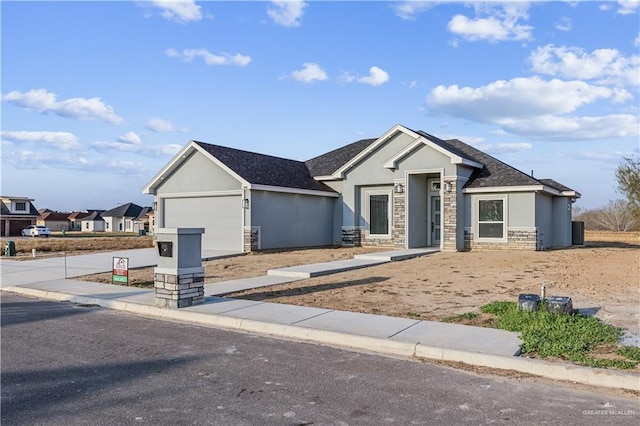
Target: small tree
628 176
617 216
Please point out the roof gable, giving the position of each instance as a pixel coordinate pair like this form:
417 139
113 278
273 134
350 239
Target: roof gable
327 164
125 210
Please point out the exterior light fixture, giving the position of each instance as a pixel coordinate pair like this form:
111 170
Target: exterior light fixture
398 188
245 203
448 187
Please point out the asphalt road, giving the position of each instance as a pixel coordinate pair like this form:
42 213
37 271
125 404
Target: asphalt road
65 364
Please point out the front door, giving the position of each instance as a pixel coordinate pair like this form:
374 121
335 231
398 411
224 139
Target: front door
435 220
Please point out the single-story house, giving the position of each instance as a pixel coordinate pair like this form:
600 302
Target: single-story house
16 213
142 222
121 218
75 219
405 189
93 222
55 221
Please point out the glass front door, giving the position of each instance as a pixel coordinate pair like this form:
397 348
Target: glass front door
435 220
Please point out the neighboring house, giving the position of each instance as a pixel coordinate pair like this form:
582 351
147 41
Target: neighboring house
55 221
16 213
75 220
142 222
405 189
121 218
93 222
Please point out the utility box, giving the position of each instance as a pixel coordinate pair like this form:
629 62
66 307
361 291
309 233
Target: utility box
560 305
528 302
10 248
577 233
179 275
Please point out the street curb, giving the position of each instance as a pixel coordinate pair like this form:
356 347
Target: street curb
557 371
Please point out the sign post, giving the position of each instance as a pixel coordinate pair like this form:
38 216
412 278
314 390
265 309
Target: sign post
120 270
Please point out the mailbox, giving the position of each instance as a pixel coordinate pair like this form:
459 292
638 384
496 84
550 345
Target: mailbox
165 248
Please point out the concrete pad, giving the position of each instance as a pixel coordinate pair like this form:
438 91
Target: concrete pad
209 254
397 255
462 337
146 298
221 305
325 268
63 285
359 324
226 287
277 313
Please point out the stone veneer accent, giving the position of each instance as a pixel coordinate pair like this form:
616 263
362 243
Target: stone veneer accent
399 220
251 238
517 239
178 291
449 211
351 236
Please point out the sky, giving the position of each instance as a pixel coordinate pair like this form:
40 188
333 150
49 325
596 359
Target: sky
96 97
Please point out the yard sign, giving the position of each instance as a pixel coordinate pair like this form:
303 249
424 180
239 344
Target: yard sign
120 270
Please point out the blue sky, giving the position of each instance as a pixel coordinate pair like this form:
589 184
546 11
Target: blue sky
98 96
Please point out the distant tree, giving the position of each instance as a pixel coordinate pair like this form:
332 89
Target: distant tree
617 216
628 176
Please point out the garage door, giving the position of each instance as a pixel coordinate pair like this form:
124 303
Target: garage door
221 218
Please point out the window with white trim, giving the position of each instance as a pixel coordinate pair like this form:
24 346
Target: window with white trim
491 218
21 206
379 213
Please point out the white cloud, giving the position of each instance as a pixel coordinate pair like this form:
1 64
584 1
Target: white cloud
159 125
131 138
566 128
310 72
377 76
535 108
287 13
636 41
563 24
154 150
181 11
493 22
627 7
188 55
608 65
408 10
25 159
524 97
42 101
60 140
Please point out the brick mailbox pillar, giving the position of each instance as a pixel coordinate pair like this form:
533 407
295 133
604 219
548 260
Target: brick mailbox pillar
179 276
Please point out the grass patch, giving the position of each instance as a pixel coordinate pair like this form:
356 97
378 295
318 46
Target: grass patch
574 338
467 316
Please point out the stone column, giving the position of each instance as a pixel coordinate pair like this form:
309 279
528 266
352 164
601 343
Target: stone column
179 276
450 215
399 214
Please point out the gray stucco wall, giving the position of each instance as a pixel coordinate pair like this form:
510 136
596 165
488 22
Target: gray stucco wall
544 220
561 221
521 210
197 174
293 220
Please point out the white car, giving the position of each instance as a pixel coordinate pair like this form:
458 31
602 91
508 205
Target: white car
36 231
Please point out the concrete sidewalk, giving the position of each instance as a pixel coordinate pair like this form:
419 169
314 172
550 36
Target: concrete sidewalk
387 335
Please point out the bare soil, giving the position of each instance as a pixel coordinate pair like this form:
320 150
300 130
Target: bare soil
602 278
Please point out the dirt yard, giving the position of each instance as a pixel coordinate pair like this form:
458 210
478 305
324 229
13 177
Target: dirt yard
601 278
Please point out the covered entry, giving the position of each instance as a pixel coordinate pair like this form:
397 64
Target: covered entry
424 209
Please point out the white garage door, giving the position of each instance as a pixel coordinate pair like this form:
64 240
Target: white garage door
221 218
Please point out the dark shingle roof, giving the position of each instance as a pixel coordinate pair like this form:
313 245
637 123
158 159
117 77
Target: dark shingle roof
125 210
96 215
54 216
4 210
261 169
327 164
555 185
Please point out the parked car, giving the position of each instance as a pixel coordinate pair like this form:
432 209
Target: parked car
36 231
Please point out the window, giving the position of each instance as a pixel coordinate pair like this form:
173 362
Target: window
378 204
21 206
491 218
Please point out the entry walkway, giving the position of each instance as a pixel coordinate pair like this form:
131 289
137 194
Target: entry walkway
46 278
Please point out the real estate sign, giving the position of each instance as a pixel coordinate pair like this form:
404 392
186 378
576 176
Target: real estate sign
120 270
